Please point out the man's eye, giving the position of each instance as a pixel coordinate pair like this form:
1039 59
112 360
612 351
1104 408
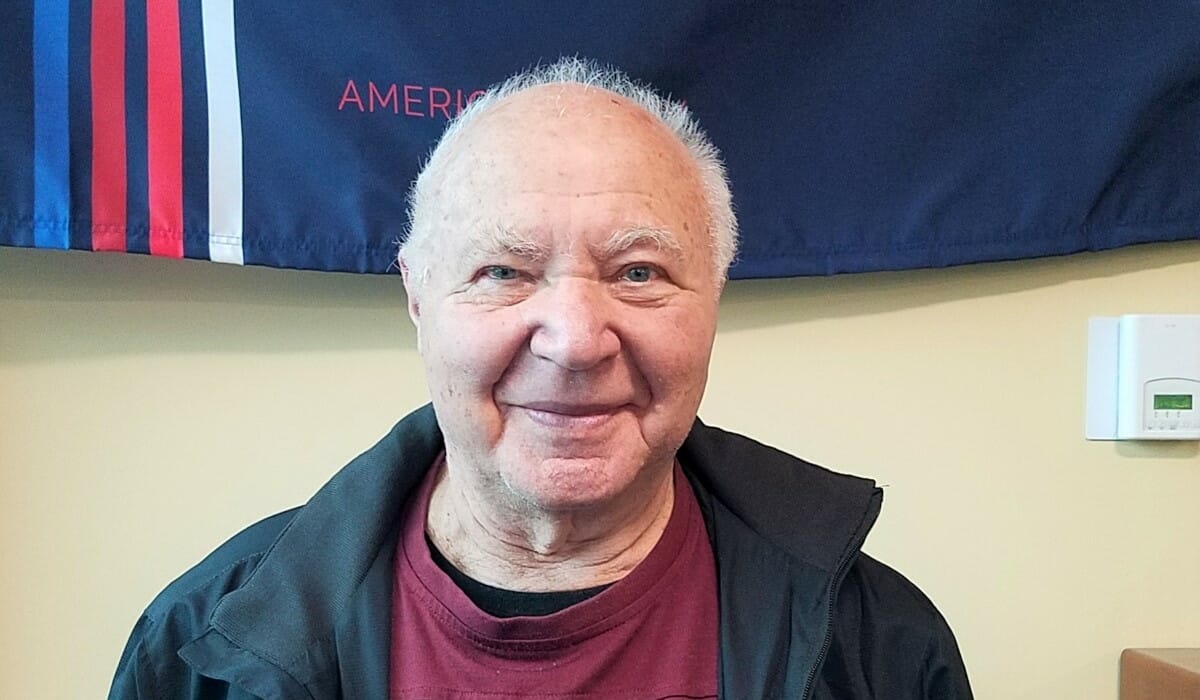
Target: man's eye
500 272
638 273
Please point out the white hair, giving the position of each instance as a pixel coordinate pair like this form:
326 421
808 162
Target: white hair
675 116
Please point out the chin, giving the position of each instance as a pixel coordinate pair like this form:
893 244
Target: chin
560 483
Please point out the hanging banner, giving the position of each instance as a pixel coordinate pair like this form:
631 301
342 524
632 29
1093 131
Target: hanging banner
858 136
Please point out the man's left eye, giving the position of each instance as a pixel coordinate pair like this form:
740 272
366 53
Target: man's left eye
638 273
499 272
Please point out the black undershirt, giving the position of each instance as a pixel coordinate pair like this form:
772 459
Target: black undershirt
505 603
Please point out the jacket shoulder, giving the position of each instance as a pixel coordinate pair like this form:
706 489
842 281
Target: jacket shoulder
890 640
226 567
149 666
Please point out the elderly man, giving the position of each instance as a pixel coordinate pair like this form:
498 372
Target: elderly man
558 524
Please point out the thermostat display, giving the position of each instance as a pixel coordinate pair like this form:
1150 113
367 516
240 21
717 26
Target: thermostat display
1172 402
1143 378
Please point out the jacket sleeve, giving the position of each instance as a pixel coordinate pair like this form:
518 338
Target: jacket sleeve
151 668
944 676
134 678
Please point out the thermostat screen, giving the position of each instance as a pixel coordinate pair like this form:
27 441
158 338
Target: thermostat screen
1172 402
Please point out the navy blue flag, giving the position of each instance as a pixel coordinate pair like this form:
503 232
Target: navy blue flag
858 135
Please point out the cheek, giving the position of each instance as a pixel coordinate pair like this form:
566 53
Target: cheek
675 359
679 386
470 353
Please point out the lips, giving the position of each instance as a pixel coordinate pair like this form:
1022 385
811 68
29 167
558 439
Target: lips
575 416
571 409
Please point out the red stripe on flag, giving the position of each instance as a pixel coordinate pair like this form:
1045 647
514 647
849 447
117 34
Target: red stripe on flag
108 125
164 94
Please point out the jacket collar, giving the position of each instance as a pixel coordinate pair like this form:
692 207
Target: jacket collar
806 511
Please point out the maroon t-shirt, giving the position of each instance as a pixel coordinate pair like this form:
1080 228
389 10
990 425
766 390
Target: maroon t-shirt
651 635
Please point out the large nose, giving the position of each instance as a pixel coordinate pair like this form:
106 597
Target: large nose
573 325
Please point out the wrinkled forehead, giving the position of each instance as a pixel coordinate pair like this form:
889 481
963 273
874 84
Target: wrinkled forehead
556 143
568 139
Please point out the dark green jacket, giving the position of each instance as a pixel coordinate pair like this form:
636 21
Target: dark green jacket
298 605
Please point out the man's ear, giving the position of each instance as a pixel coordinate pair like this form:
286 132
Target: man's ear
412 293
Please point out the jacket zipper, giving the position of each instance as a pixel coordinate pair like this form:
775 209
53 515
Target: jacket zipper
834 585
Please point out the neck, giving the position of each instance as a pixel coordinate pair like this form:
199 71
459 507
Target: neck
528 549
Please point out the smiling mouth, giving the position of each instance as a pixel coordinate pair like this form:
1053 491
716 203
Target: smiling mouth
563 415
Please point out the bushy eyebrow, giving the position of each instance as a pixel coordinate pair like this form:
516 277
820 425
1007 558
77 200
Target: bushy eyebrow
509 241
502 239
627 239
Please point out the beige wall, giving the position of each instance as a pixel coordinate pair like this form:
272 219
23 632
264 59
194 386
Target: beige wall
149 409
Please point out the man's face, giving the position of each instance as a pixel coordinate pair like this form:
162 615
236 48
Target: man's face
570 306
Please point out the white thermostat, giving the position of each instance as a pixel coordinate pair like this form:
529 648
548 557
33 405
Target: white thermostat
1143 378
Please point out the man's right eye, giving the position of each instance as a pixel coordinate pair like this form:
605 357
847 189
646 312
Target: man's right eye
500 272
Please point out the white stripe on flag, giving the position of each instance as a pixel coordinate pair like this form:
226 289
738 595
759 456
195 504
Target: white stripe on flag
224 133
